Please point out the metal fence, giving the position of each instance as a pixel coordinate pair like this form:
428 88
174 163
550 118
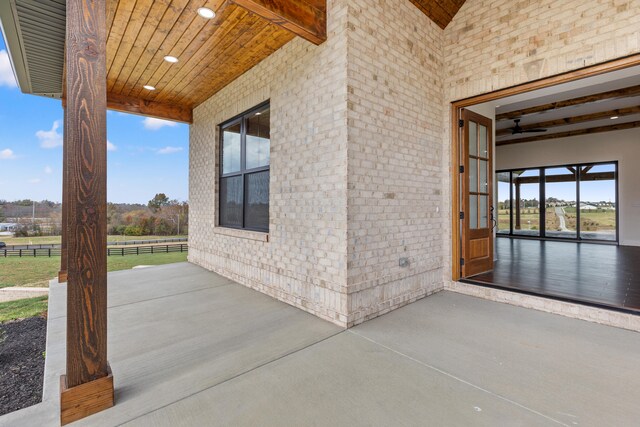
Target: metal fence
123 243
127 250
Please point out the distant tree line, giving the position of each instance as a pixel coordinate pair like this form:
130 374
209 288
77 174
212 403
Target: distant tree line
160 216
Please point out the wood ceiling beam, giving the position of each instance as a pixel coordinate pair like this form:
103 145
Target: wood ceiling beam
599 129
620 112
619 93
304 18
155 109
598 176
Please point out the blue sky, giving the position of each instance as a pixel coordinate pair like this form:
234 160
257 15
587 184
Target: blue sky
146 156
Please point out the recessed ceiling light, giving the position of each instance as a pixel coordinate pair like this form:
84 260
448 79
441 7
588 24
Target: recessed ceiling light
614 117
171 59
149 87
206 13
258 113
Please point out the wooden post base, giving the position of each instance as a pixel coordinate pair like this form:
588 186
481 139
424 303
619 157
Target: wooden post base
62 276
86 399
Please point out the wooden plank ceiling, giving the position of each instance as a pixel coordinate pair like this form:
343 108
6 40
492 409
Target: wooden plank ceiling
440 11
211 53
597 112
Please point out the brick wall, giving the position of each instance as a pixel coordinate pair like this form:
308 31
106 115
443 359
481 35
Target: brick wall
304 260
395 98
493 44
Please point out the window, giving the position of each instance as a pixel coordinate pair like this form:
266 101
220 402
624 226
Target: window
580 202
244 170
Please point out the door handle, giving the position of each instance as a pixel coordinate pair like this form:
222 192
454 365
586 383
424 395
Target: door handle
494 222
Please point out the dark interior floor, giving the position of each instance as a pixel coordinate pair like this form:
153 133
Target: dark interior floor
604 275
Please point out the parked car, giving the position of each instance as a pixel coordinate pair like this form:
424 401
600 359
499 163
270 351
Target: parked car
3 245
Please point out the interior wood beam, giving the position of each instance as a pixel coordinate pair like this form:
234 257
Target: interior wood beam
620 112
87 386
599 129
619 93
598 176
304 18
144 107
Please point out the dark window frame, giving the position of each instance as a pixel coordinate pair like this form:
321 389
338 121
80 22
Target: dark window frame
243 173
542 197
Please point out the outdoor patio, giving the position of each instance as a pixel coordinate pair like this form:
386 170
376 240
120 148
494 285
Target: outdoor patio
189 347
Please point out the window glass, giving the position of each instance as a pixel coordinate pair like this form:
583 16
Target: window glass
473 212
231 201
560 202
504 202
473 175
484 209
598 202
473 138
484 148
244 171
231 149
526 202
484 181
258 134
257 201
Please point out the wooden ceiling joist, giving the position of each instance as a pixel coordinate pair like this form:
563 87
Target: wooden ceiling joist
619 93
598 176
304 18
148 108
599 129
620 112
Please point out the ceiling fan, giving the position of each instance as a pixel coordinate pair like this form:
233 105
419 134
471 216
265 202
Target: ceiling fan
517 129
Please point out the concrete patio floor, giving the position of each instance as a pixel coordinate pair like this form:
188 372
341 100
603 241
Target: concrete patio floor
191 348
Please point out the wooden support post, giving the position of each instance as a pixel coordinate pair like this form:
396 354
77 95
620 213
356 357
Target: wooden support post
87 387
517 226
62 274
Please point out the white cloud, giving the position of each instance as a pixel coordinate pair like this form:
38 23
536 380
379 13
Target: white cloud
7 154
50 138
169 150
155 124
111 146
6 72
35 181
48 170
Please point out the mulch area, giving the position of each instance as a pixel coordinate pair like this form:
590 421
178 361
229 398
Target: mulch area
22 363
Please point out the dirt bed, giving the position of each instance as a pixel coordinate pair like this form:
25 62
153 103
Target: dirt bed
21 363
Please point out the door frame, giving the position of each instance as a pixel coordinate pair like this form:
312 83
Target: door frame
456 115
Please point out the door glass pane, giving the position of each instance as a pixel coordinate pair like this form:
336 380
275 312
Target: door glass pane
258 134
560 203
473 138
257 207
484 209
484 150
473 212
484 176
598 202
526 204
473 175
231 149
504 203
231 201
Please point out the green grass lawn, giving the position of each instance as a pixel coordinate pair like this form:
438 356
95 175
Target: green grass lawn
22 308
15 271
45 240
25 271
